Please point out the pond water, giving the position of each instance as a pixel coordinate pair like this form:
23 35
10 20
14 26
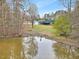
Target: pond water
36 48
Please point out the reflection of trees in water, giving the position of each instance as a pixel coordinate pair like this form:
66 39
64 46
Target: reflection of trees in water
13 49
10 49
63 51
30 47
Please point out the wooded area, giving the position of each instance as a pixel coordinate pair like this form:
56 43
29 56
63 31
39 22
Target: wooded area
13 14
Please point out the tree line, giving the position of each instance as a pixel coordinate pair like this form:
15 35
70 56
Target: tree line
12 15
68 23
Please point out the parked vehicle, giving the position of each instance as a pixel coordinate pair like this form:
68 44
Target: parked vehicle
45 22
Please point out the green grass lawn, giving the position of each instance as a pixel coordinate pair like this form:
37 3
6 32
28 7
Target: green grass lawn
44 28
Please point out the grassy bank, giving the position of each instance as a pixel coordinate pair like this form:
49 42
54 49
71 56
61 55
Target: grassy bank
44 29
48 30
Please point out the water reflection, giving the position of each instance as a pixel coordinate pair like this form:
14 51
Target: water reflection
36 48
10 49
30 47
18 48
44 48
63 51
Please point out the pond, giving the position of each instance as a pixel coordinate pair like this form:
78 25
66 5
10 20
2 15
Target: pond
36 48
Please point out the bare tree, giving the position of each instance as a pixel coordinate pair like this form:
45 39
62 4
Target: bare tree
19 18
69 4
11 17
75 21
4 9
33 12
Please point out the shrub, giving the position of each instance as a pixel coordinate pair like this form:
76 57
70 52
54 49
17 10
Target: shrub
62 26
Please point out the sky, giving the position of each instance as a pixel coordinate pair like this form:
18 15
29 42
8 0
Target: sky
48 6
